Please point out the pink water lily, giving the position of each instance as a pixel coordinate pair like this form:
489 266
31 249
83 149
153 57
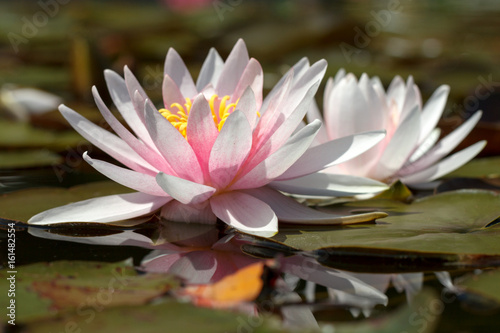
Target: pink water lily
214 149
410 151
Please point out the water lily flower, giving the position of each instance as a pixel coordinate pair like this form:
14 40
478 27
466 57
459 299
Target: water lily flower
410 152
214 149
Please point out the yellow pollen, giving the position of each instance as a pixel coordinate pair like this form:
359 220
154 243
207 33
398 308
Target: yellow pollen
179 117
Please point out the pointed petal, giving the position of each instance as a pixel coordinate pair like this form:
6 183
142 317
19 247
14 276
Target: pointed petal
424 147
172 145
106 141
176 211
332 153
445 166
230 149
432 111
248 105
183 190
103 209
135 180
122 99
290 211
210 70
277 163
314 114
444 146
246 213
233 68
201 131
400 147
152 157
325 184
171 93
177 70
252 77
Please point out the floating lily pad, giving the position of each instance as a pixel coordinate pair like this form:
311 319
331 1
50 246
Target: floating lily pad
28 158
484 284
479 167
23 135
449 223
45 290
23 204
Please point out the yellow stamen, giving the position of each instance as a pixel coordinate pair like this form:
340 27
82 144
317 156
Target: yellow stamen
219 114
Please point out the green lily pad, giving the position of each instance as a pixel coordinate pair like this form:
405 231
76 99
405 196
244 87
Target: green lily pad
169 316
23 204
45 290
28 158
23 135
448 223
479 167
485 284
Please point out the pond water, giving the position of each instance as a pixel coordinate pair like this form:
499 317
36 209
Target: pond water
415 259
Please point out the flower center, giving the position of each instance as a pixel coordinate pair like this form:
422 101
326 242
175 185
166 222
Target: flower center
178 114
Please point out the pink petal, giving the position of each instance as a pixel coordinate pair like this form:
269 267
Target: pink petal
248 106
102 209
314 114
326 184
171 93
412 98
252 77
122 99
446 166
106 141
210 70
230 149
177 70
172 145
196 267
135 180
201 131
277 163
233 68
178 212
152 157
332 153
183 190
246 213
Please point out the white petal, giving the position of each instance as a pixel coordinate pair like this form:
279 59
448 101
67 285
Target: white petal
444 146
246 213
402 144
103 209
290 211
432 111
176 211
210 70
183 190
332 153
323 184
132 179
248 105
445 166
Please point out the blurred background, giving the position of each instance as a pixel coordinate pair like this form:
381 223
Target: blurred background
53 51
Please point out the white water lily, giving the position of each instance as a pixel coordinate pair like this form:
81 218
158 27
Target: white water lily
411 151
